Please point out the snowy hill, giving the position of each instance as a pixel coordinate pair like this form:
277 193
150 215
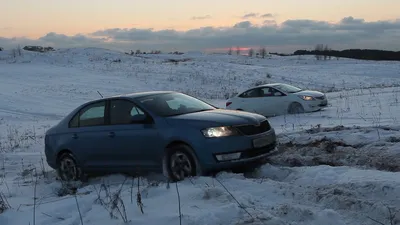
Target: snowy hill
337 166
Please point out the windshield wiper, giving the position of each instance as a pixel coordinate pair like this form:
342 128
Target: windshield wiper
177 114
201 110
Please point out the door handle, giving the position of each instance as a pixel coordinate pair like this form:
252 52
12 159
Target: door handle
74 136
111 134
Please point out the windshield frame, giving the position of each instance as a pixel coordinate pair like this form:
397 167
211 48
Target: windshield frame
286 88
153 109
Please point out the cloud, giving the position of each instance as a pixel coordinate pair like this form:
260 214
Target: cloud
250 15
267 15
257 15
269 23
201 17
243 24
348 32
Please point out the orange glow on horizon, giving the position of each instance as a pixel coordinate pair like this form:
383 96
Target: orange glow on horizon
34 19
234 49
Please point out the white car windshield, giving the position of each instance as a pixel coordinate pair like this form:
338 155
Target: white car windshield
287 88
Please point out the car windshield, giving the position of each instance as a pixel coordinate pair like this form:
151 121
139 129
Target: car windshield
287 88
173 104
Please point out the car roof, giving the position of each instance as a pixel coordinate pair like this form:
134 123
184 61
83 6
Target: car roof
133 95
269 85
142 94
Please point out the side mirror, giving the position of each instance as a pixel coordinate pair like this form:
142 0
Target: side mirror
278 94
139 118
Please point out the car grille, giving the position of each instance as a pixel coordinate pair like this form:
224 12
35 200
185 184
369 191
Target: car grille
253 130
320 98
324 103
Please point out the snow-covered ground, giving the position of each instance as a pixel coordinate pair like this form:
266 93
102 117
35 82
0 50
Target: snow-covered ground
337 166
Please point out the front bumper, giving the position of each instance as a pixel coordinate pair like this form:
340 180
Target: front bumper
311 106
251 157
241 144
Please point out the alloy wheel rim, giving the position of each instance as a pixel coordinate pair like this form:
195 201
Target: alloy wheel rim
181 166
68 169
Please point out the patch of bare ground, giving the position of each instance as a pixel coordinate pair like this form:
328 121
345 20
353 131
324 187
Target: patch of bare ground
371 147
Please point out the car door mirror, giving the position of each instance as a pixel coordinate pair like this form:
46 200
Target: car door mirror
278 94
139 118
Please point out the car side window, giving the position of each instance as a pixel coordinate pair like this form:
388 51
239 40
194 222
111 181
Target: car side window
92 115
271 92
122 111
267 92
253 93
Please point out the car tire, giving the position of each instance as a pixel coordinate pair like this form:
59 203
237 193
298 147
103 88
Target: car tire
295 108
179 163
68 168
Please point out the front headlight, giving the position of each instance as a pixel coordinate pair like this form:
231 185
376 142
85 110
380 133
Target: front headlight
219 132
307 98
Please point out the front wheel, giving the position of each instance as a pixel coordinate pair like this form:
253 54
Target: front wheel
179 163
296 108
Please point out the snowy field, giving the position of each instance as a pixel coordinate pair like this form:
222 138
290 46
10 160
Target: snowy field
337 166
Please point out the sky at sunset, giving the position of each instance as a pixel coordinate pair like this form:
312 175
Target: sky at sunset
282 26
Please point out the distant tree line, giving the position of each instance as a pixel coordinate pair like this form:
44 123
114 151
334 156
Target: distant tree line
279 54
324 52
38 48
18 49
262 52
139 52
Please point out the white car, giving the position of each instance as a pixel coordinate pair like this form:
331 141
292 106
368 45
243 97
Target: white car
277 99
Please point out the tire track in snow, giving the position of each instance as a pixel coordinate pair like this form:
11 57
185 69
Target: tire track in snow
31 114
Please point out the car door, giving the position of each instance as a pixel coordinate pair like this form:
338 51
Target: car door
273 101
250 101
89 138
136 140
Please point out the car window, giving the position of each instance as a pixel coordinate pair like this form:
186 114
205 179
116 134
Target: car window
122 111
176 103
287 88
266 92
172 104
136 111
92 115
253 93
270 92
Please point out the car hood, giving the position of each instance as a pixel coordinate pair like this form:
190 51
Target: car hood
219 117
310 93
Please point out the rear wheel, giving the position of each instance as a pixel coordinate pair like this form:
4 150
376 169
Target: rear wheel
295 108
179 163
68 169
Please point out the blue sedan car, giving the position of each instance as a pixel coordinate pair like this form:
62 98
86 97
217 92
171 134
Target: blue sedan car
159 131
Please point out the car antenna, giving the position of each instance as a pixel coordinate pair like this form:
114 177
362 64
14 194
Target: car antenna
100 94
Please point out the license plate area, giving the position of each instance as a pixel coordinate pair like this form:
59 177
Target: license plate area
261 142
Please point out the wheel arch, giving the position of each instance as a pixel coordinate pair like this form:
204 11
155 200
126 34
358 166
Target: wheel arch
189 149
292 103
